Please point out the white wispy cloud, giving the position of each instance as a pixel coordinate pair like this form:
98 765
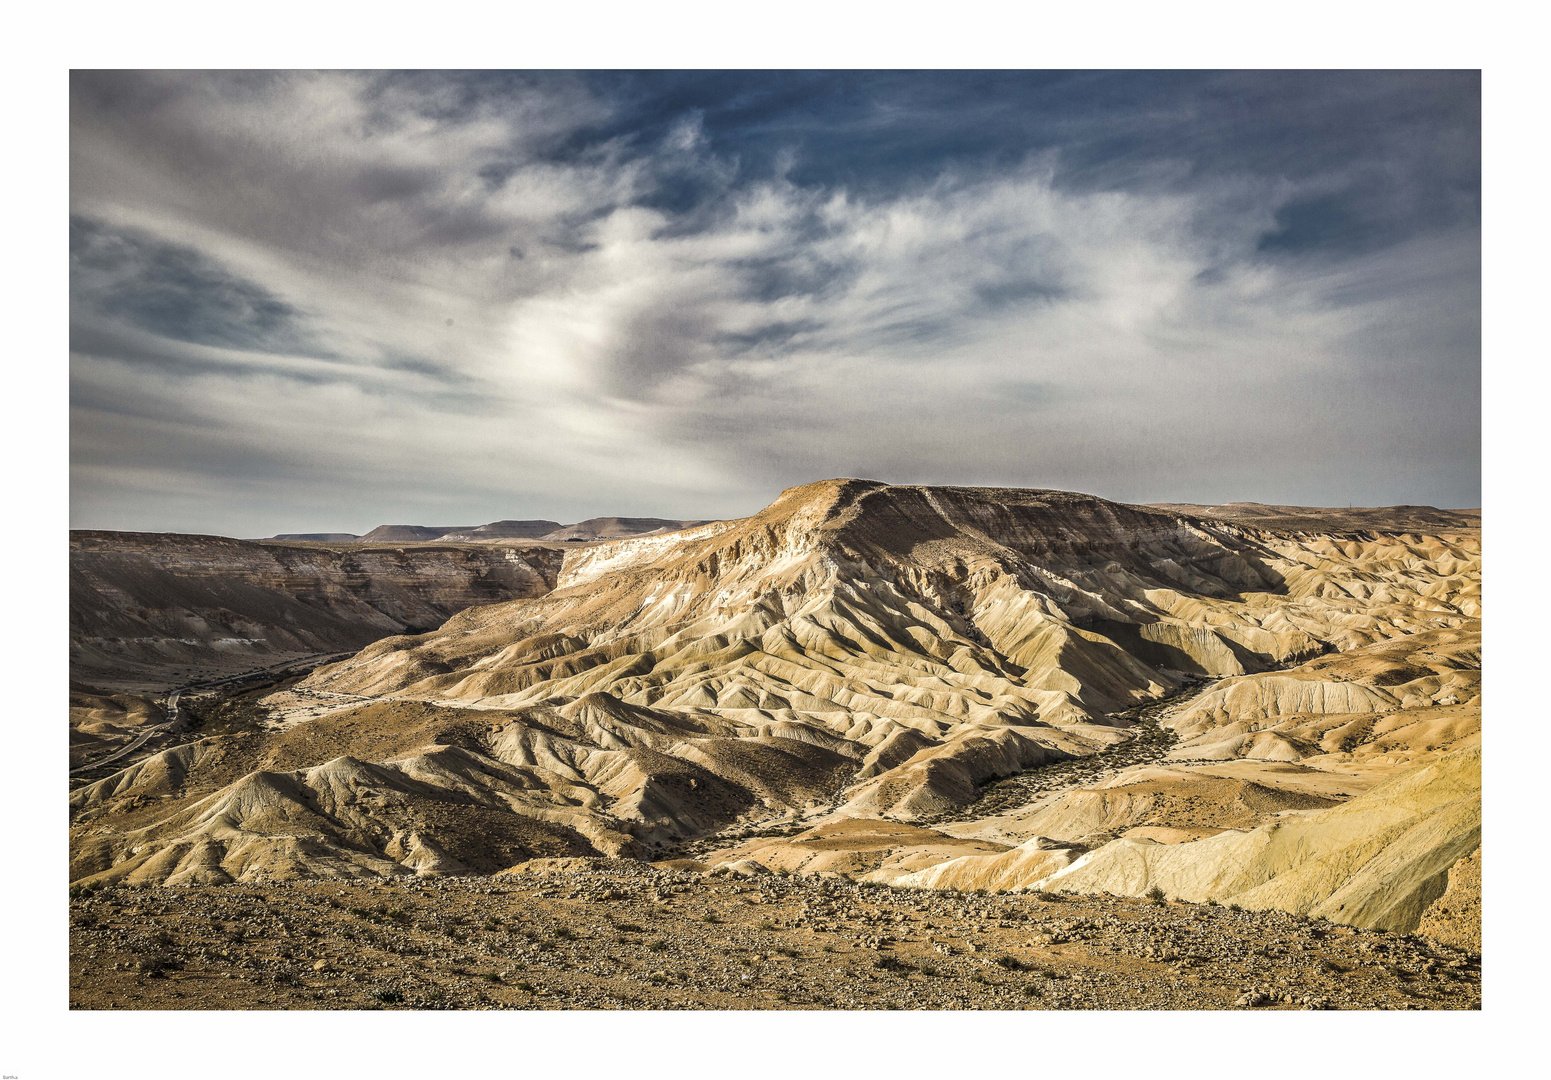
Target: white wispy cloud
471 310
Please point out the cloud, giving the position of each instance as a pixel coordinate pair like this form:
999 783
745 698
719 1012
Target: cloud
176 292
390 296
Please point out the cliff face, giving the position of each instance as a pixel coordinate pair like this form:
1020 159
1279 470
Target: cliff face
142 604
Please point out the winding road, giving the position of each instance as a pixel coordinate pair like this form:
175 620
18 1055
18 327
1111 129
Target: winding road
171 726
176 722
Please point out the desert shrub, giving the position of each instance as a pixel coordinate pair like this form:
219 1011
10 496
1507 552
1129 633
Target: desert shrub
388 997
1008 963
657 946
1156 895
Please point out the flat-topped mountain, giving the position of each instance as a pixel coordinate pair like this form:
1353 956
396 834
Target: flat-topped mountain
505 530
383 534
614 528
602 528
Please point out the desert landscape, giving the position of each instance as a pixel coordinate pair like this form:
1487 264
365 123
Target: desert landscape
952 747
771 539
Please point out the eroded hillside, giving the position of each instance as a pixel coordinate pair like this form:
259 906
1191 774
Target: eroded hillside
857 660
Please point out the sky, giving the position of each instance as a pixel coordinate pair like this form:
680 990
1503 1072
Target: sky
323 301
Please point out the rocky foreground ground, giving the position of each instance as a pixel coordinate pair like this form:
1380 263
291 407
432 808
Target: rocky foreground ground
631 936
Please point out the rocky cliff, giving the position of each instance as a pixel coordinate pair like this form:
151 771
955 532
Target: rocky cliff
145 605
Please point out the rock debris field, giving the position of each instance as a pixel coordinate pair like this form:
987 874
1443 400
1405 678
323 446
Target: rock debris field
626 935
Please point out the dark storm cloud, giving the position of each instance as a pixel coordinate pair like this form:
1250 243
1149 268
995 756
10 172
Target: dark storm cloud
527 294
123 281
177 292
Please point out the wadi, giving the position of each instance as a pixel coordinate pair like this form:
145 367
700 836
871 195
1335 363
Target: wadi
873 746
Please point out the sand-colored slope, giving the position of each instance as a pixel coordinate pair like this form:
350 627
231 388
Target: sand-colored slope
1177 799
1284 742
999 872
1378 860
447 790
866 849
871 650
1399 701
